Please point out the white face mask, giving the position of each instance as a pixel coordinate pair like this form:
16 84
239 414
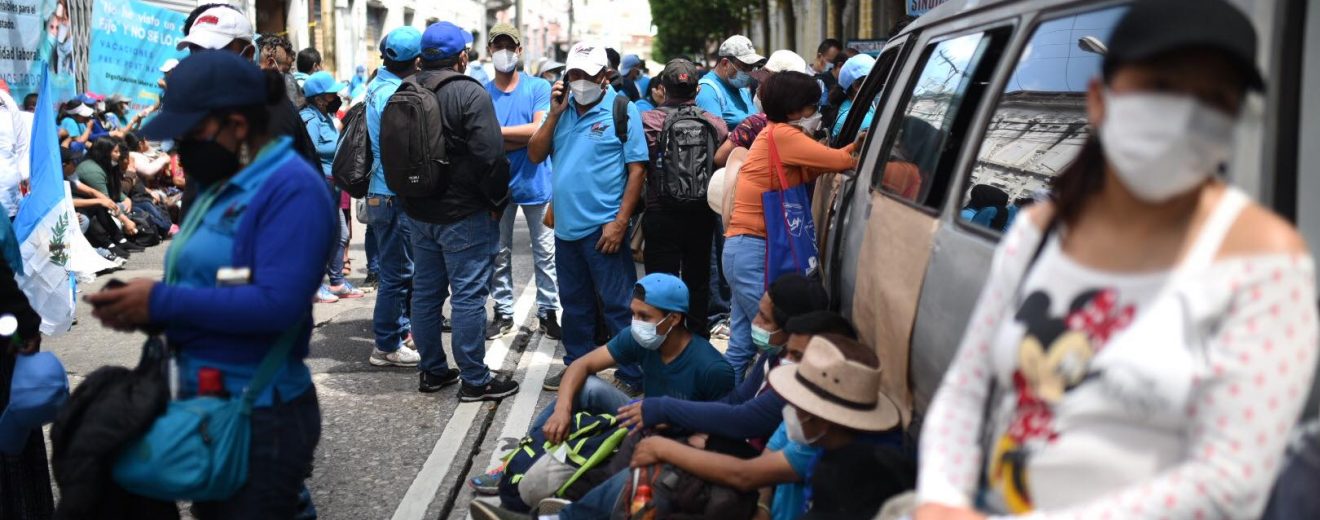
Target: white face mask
585 91
793 427
809 124
505 60
646 334
1164 145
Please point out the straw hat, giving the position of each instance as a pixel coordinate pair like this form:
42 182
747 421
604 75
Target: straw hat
828 385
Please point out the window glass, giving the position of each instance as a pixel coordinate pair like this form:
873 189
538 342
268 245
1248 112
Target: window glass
931 115
869 96
1040 123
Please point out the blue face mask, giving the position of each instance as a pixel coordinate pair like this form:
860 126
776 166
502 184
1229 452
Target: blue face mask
646 335
741 80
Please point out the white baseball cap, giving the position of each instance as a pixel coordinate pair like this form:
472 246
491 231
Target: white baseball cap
784 60
216 27
81 110
169 65
588 57
738 46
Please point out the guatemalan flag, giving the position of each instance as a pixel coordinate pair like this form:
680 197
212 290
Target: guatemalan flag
55 254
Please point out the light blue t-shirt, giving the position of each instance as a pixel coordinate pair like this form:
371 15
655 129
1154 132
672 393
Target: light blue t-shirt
844 109
718 97
378 94
790 499
591 166
528 183
73 127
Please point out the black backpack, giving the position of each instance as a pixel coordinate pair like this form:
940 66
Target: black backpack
686 158
353 162
413 146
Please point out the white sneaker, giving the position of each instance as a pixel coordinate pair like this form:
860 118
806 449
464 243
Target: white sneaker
399 358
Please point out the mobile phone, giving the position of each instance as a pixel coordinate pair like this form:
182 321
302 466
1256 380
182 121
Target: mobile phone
559 99
114 283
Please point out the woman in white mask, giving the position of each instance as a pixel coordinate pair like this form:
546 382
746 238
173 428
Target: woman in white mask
1148 337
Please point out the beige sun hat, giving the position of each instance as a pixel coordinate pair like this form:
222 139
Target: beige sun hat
828 385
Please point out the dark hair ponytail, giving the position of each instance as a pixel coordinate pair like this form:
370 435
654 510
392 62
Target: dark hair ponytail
1083 178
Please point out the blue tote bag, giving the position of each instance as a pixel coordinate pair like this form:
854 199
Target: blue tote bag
790 232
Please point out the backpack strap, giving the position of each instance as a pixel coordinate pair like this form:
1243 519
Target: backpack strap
621 117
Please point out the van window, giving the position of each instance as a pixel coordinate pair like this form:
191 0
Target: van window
869 97
953 76
1040 122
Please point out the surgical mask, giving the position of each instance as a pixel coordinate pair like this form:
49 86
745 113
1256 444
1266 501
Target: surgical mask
207 161
786 362
646 335
1164 145
741 80
793 427
829 65
585 91
100 106
761 338
756 100
505 60
809 124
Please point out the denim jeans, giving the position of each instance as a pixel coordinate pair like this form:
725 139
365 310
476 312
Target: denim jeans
744 266
458 257
369 245
1294 494
284 438
396 270
334 269
598 503
585 273
543 255
595 397
717 309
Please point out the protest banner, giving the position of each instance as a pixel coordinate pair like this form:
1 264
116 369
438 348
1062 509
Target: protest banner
33 34
130 41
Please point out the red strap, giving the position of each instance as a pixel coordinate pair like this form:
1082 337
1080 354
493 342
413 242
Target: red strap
776 164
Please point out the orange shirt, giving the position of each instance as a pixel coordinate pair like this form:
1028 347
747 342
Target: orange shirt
803 159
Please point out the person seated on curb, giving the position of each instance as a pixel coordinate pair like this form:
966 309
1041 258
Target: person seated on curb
751 411
675 363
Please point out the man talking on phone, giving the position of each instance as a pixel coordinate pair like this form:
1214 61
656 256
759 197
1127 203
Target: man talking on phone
599 151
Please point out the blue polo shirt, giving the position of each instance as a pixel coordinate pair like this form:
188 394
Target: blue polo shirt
718 97
275 218
529 183
790 501
844 109
324 135
699 373
591 166
378 94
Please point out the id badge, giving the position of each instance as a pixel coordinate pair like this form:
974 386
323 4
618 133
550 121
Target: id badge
233 276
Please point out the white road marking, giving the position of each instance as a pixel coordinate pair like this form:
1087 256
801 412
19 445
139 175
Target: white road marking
428 481
524 405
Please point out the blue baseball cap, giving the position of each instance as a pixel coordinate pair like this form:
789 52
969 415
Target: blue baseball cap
37 391
444 40
665 292
402 44
322 83
629 62
856 67
204 82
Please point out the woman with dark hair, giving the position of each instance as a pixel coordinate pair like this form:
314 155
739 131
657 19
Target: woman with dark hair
789 100
1147 337
99 174
240 274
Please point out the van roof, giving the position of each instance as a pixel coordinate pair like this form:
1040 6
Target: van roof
950 9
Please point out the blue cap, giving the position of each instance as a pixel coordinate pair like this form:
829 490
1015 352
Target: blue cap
322 83
444 40
467 38
402 44
629 62
204 82
38 389
665 292
856 67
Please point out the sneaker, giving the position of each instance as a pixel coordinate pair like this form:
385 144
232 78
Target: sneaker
325 296
428 383
551 383
721 330
174 230
495 390
550 325
488 483
499 327
372 281
483 511
633 390
119 251
399 358
550 506
446 325
346 291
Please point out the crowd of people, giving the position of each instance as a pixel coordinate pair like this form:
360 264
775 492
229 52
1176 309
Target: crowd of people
612 168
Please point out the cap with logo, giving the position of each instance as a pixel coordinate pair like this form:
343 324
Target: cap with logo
588 57
665 292
1154 27
202 83
504 29
782 60
629 62
216 27
741 48
856 67
444 40
402 44
322 83
36 392
680 78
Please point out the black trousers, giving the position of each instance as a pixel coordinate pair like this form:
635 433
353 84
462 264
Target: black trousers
678 242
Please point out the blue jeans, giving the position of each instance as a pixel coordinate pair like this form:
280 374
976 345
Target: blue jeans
744 267
600 501
585 273
373 257
284 438
334 269
717 309
543 254
457 256
396 270
595 397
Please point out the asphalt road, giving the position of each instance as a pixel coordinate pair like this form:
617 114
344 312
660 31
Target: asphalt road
386 451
